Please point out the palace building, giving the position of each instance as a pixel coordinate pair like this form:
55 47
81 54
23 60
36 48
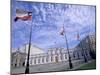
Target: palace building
53 55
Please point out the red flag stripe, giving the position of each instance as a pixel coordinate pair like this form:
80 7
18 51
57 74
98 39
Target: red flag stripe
23 15
78 36
25 18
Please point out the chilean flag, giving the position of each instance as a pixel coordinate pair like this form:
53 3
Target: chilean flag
78 37
23 15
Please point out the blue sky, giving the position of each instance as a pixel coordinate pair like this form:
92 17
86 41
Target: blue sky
48 19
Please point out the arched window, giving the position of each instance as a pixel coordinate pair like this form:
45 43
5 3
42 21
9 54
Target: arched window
43 60
65 56
47 59
56 59
15 64
51 58
31 61
38 60
23 64
61 56
74 55
34 61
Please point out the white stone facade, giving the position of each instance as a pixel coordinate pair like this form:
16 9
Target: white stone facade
53 56
56 55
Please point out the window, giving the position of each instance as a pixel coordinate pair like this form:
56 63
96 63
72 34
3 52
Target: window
56 59
51 58
65 56
38 60
23 64
34 61
74 55
61 56
47 59
30 61
15 65
43 59
78 55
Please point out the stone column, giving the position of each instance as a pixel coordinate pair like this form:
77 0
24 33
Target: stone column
18 61
25 60
33 61
36 60
47 59
50 58
40 60
64 59
59 59
43 60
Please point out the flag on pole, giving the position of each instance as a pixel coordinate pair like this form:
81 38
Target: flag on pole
23 15
78 36
62 31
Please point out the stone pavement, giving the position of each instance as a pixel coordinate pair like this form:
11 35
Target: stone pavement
51 67
78 66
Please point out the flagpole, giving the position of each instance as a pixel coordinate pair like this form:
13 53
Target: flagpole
25 18
29 47
85 60
90 51
70 62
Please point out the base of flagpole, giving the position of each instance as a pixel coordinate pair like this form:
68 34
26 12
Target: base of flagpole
27 70
70 63
71 66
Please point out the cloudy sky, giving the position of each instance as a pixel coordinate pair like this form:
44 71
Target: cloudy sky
47 21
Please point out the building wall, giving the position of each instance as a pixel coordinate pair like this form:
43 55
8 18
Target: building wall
88 44
18 59
55 55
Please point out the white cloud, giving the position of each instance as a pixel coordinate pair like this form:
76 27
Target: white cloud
49 19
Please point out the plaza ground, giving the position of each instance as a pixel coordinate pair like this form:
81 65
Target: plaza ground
87 66
55 67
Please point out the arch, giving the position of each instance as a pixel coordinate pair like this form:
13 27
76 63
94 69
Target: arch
23 64
65 56
56 58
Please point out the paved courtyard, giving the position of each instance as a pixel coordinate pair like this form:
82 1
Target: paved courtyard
60 66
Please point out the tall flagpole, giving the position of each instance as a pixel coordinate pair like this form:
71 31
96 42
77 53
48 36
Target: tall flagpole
92 54
70 62
25 18
29 47
85 59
